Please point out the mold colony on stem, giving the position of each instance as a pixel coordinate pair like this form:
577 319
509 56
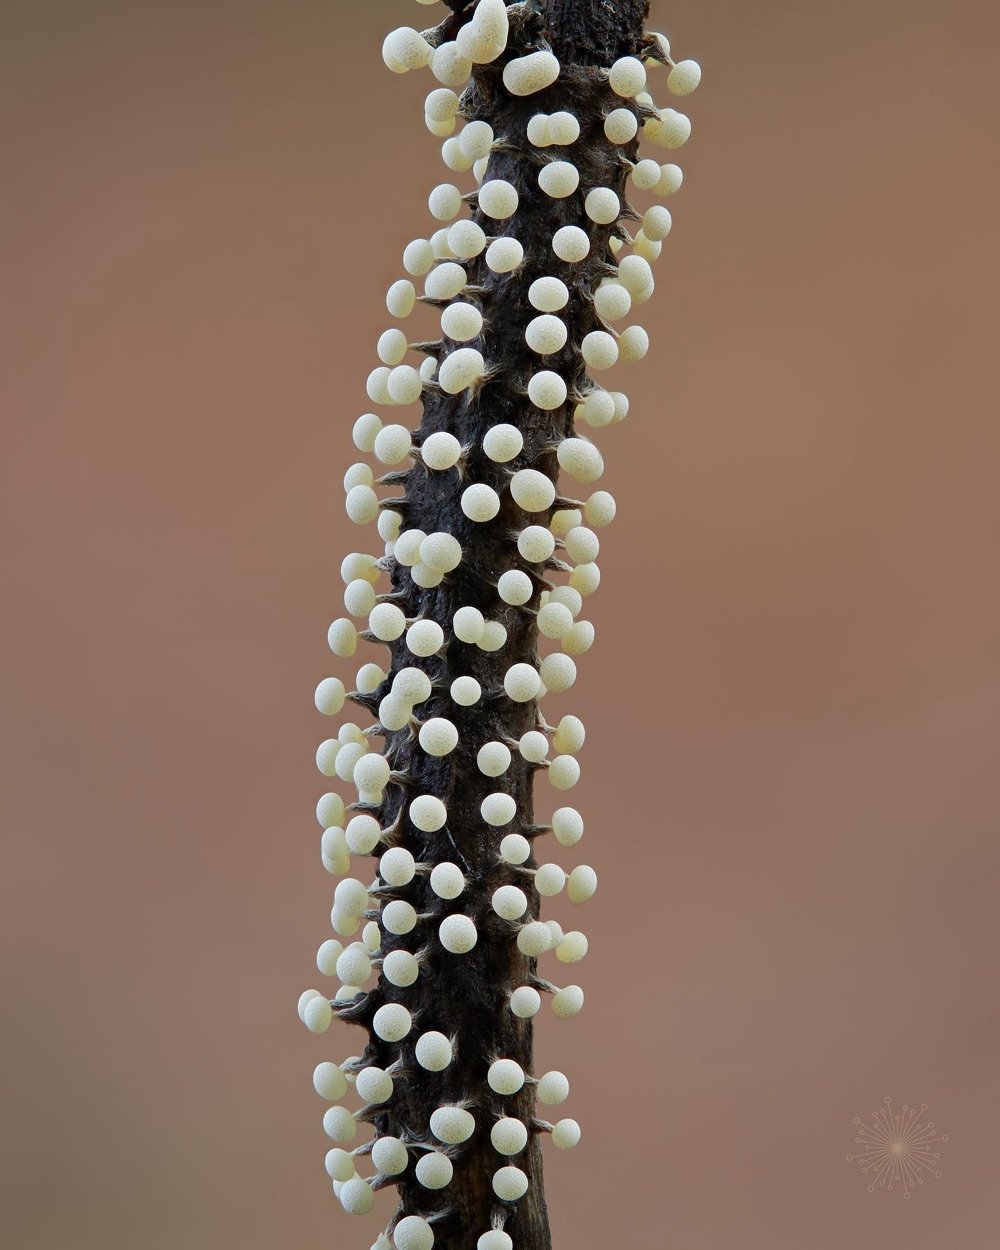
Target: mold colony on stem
477 601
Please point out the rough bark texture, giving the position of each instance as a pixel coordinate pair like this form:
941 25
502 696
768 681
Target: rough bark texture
465 996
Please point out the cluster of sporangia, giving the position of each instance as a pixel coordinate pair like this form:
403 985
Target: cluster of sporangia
394 818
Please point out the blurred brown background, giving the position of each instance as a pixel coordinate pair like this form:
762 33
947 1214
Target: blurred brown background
791 789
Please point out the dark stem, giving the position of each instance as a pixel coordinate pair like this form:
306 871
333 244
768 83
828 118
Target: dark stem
466 996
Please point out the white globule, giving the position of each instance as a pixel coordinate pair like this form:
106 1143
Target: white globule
372 773
558 672
621 126
564 772
566 1134
468 624
564 129
405 386
445 201
636 275
441 451
602 206
412 684
546 334
447 880
498 809
340 1165
433 1051
364 431
434 1170
397 866
531 490
413 1233
400 968
455 156
493 759
525 1002
549 880
521 683
503 443
580 459
534 939
466 691
535 543
466 239
510 1184
330 695
399 917
361 505
461 370
359 595
387 622
504 255
407 547
612 302
582 544
461 322
684 78
554 620
600 509
633 345
362 834
669 129
400 298
452 1125
505 1077
405 49
317 1015
539 131
494 636
485 37
425 638
509 902
339 1125
441 104
552 1089
547 390
476 139
572 948
509 1136
498 199
374 1085
627 77
392 1022
657 222
567 1002
585 578
533 746
445 282
570 735
428 813
567 826
525 75
599 350
327 955
390 1155
495 1239
571 244
515 848
645 174
582 884
458 934
515 587
558 179
357 1197
438 736
547 295
392 346
480 502
329 1082
354 967
671 180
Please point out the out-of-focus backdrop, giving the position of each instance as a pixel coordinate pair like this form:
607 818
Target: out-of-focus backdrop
791 780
